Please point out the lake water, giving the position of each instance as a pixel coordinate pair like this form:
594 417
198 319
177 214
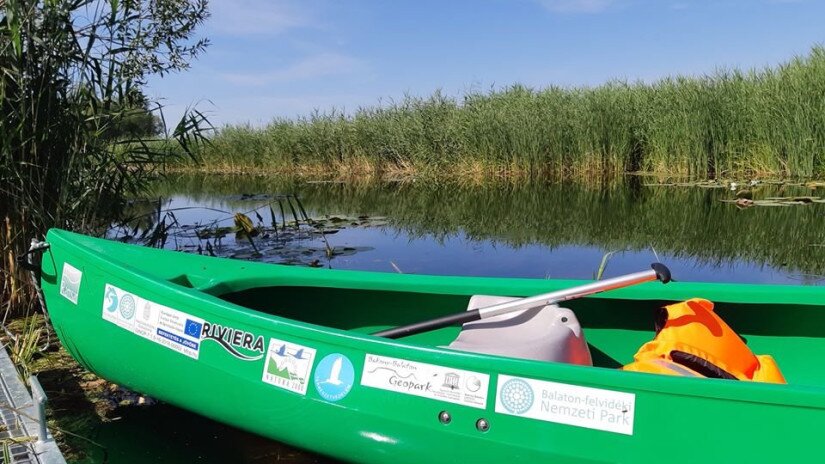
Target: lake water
515 229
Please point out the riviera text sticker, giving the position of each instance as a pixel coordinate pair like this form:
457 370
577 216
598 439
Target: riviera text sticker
562 403
243 345
426 380
70 282
169 327
287 365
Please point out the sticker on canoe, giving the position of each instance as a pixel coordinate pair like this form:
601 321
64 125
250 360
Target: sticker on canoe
165 326
334 377
70 282
562 403
426 380
287 365
236 342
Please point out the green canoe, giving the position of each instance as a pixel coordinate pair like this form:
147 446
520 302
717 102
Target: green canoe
286 352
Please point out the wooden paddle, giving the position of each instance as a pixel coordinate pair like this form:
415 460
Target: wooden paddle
658 272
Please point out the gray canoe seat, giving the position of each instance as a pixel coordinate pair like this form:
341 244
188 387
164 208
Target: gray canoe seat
551 333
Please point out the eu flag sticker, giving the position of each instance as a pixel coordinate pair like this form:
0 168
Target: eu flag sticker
193 328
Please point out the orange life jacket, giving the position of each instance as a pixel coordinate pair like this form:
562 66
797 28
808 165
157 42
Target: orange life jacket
692 340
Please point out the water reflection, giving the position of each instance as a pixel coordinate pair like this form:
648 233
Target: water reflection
532 229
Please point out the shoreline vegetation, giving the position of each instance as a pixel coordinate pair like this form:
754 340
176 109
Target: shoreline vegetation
762 122
78 136
78 139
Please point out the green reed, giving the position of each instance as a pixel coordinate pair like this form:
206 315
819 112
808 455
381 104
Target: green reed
77 133
762 121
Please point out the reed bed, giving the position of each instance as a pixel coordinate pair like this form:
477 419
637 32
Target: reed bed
77 134
763 121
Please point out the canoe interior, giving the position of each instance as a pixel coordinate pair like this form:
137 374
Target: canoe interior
615 328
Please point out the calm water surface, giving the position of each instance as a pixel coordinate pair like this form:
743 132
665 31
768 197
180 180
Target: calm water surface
513 229
537 230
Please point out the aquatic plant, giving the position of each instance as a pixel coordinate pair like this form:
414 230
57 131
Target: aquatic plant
768 121
24 346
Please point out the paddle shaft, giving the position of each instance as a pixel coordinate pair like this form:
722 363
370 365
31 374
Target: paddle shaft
658 272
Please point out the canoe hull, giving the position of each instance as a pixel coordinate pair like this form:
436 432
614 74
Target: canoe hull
360 398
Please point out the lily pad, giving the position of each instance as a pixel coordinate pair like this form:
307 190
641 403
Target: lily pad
216 232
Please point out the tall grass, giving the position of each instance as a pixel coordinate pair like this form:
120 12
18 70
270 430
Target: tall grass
764 121
71 73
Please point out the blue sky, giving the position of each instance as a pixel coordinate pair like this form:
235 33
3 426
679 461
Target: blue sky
285 58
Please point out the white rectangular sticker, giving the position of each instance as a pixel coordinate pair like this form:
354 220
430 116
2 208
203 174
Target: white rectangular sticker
288 365
70 282
426 380
562 403
169 327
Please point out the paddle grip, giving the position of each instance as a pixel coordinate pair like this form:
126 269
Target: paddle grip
446 321
662 272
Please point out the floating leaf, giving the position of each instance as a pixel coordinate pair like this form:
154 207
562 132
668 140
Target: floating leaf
217 232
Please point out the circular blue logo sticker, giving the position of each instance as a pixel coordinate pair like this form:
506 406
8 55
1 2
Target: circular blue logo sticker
334 377
127 306
516 396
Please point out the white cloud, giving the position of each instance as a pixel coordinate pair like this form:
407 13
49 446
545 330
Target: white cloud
576 6
258 17
325 64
